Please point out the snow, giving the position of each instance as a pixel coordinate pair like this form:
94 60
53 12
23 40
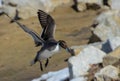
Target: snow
55 76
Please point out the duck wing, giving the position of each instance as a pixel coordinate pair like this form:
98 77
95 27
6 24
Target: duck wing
48 25
38 40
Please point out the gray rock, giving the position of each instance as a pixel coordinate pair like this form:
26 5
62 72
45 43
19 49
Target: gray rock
80 64
108 73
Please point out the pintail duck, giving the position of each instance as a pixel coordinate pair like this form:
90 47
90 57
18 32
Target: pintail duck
49 45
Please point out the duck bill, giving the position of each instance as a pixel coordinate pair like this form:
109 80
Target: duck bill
71 51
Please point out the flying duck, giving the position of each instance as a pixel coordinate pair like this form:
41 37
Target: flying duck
49 45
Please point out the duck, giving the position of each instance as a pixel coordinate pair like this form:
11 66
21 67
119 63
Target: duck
49 46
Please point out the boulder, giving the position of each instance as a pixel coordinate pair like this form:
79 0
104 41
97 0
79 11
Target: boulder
80 64
29 8
108 73
108 25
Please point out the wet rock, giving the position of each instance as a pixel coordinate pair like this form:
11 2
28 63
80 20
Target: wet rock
80 64
108 73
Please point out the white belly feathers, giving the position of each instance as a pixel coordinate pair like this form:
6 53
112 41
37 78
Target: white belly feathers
47 53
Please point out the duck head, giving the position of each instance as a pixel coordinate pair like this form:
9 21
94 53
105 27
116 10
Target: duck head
63 44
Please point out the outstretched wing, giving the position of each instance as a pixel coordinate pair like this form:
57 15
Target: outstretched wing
48 25
38 41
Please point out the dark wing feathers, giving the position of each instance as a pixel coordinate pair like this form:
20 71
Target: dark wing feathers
42 16
38 41
48 25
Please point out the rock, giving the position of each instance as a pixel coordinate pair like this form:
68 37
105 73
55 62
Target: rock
80 64
111 44
114 42
107 46
108 25
78 49
29 8
104 46
112 58
97 45
81 7
11 11
108 73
